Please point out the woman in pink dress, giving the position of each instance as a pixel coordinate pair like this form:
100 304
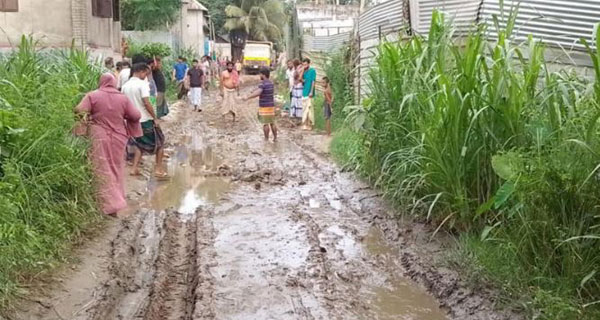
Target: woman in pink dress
111 118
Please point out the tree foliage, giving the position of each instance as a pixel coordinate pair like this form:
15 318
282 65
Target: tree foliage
149 14
216 10
261 20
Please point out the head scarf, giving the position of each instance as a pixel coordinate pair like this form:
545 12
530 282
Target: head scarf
108 83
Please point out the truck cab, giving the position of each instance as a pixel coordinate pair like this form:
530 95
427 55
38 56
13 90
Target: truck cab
257 54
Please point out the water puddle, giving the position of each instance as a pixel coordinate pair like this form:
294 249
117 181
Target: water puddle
397 298
189 186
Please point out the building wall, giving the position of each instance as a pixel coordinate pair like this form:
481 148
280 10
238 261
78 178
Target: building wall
194 31
48 21
326 20
104 34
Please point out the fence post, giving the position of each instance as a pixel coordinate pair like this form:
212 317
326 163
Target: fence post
358 71
379 32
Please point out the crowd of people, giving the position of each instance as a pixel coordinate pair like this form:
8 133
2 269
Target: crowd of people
122 117
302 80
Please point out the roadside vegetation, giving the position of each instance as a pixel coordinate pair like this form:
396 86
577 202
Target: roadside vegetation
46 188
496 149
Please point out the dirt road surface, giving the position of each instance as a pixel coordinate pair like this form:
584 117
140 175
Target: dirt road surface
248 229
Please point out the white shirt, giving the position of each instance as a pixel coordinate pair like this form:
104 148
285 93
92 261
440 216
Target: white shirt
124 75
136 90
289 74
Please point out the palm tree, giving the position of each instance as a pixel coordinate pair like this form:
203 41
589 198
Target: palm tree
261 20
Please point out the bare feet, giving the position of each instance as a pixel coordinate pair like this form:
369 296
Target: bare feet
160 175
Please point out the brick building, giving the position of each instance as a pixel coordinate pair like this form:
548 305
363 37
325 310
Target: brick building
94 24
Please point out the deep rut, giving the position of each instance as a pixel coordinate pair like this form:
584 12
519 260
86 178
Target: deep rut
154 270
172 294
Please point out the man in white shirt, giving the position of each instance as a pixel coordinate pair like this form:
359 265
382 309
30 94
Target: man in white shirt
137 90
124 75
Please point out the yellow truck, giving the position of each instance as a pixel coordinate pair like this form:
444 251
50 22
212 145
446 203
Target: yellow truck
257 54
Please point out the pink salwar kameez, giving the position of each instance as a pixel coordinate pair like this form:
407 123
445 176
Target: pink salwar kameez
112 120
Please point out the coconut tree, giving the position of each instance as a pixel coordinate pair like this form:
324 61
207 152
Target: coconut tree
261 20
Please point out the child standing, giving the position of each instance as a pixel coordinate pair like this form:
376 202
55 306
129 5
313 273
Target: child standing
266 103
327 105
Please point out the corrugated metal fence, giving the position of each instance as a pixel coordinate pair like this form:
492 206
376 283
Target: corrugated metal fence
381 22
463 13
326 43
558 23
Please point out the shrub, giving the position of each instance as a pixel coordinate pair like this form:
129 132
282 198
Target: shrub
477 139
46 191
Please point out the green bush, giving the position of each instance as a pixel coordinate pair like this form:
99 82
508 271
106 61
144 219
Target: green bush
477 139
46 191
150 49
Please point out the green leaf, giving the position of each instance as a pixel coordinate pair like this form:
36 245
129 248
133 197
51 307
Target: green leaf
485 207
587 278
487 229
507 166
503 194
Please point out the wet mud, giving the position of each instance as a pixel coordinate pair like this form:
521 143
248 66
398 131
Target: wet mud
248 229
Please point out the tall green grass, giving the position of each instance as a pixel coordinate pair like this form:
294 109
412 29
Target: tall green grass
46 189
479 140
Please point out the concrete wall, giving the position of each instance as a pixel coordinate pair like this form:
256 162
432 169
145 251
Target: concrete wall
193 35
56 23
104 34
324 20
223 50
48 21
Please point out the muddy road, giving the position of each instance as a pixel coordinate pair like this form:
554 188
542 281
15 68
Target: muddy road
248 229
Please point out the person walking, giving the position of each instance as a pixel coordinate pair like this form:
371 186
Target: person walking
266 103
111 118
180 70
228 89
196 78
124 74
238 66
109 65
327 105
162 109
309 77
152 141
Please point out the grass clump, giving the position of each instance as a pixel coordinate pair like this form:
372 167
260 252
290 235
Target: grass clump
481 141
46 191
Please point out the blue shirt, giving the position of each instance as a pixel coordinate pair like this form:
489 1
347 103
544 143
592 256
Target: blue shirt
180 68
309 77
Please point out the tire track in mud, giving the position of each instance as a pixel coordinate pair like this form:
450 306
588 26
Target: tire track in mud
204 286
172 294
133 254
159 269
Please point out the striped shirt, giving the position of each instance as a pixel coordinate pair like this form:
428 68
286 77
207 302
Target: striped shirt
266 98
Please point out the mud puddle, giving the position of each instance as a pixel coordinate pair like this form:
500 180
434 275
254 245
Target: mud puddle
193 180
398 298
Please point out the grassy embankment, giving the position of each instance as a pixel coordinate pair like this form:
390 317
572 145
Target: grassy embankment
46 187
496 149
